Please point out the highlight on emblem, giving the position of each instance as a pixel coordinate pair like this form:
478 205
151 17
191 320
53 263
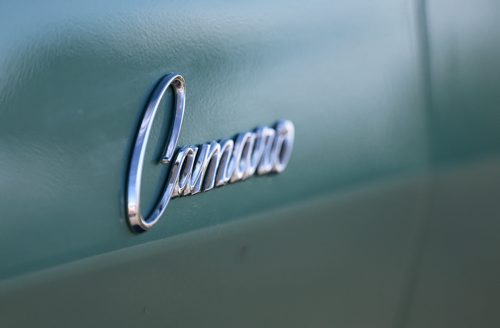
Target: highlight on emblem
198 168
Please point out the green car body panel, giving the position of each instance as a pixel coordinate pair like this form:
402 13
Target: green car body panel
388 214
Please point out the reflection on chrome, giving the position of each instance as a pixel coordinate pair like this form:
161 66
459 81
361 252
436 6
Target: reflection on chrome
200 168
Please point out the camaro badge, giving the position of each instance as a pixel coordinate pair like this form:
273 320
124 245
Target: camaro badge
200 168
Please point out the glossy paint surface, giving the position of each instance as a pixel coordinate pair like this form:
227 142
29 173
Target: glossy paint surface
387 214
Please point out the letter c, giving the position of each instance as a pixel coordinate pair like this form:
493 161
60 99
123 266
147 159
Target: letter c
136 221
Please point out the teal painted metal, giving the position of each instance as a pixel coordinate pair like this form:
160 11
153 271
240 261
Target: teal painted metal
77 79
402 97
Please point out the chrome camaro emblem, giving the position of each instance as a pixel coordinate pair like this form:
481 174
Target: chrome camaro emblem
200 168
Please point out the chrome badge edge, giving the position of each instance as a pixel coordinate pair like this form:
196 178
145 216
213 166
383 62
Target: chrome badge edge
199 168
